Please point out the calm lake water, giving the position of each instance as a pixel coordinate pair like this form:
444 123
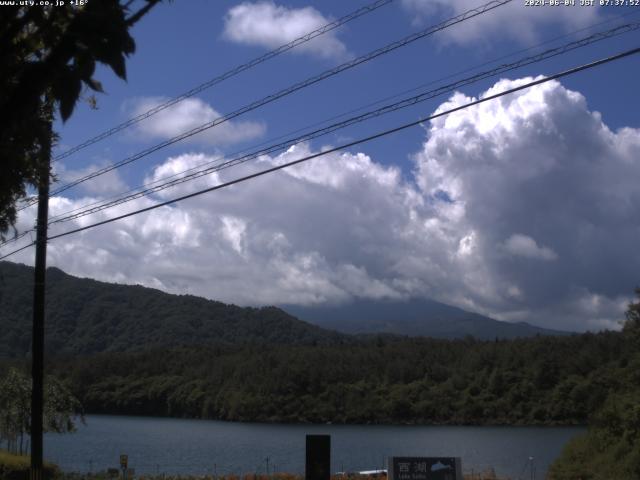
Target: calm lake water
164 445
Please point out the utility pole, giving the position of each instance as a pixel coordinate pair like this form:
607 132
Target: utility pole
37 346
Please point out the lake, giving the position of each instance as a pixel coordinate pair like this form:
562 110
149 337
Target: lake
177 446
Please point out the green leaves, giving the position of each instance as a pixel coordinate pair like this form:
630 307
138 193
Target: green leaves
95 85
60 406
611 446
51 52
66 91
632 325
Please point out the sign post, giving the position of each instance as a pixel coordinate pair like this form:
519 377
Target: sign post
425 468
318 457
124 462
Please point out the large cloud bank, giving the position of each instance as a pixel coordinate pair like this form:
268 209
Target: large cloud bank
524 208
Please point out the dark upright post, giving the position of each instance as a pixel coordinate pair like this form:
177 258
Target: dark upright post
318 464
37 348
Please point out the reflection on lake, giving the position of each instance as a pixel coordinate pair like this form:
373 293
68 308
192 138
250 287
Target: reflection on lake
157 445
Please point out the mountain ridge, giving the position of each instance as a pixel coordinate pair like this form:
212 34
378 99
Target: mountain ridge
414 317
86 316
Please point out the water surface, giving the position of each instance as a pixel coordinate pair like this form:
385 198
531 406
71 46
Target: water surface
177 446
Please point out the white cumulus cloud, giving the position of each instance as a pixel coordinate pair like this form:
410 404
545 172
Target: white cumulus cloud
107 183
524 209
524 246
542 171
186 115
269 25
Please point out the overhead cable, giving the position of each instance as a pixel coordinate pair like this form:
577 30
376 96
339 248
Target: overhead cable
291 89
356 142
404 103
198 171
405 126
231 73
611 33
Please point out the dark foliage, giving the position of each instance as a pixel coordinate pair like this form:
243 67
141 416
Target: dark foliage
48 55
610 449
544 380
85 316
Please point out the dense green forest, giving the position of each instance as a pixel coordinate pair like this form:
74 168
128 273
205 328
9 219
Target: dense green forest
86 316
545 380
610 449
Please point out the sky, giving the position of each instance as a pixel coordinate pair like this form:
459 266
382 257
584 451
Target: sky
523 208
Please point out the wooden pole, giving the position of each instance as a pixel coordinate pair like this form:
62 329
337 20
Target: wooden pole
37 348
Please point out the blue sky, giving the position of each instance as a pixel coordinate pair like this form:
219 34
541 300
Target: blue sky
522 210
182 45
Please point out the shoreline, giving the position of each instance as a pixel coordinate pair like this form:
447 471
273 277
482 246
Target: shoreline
18 467
354 424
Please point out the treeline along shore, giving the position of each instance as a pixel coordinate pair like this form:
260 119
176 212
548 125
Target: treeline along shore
536 381
588 378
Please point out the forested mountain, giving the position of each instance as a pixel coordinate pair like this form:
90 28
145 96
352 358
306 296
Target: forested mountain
414 317
86 316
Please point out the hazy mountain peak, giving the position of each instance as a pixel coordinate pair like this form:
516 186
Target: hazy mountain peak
413 317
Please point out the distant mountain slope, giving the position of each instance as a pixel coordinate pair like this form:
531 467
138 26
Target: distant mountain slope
414 318
86 316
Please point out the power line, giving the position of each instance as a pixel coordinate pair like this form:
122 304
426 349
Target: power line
16 237
18 250
291 89
343 146
404 103
115 199
356 142
118 196
149 188
231 73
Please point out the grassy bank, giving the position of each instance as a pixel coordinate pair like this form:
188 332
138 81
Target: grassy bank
16 467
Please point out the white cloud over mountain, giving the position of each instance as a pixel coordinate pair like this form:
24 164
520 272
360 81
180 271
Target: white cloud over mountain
268 25
524 246
523 208
514 20
187 115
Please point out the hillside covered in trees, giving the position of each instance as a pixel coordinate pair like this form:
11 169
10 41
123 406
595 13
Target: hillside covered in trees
86 316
